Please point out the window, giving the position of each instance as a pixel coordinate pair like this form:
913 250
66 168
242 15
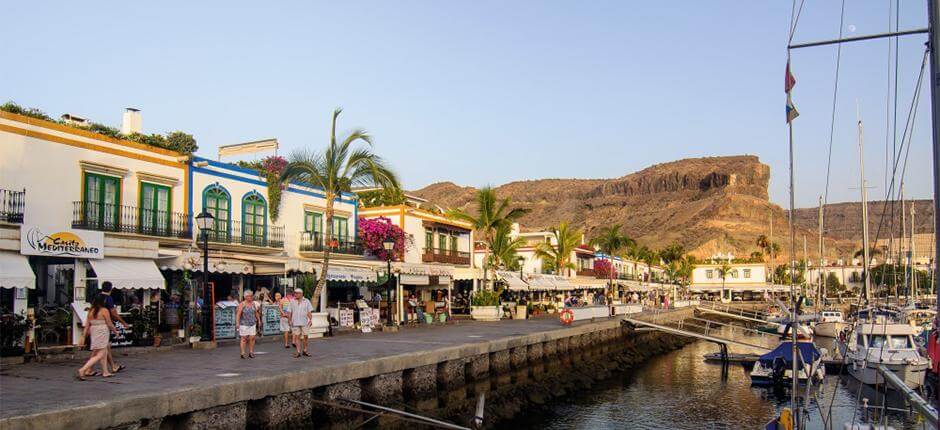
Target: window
734 273
313 222
900 342
453 243
154 207
710 274
876 341
101 205
860 340
747 273
442 242
254 219
429 241
216 201
341 228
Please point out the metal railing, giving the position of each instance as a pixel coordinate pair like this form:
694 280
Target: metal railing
12 205
451 256
315 242
233 232
130 219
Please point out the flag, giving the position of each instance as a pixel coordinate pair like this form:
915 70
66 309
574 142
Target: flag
790 81
791 110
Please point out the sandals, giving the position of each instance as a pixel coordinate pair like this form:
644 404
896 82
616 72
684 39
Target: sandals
251 355
78 376
243 356
305 354
296 355
119 369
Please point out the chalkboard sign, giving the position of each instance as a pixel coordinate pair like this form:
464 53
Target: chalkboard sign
225 322
123 336
365 319
271 315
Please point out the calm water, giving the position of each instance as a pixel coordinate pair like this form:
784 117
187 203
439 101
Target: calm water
679 390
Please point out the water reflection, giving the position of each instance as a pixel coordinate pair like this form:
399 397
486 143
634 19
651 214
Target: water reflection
679 390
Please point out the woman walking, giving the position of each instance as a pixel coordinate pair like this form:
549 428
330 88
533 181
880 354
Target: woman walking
283 304
247 316
98 328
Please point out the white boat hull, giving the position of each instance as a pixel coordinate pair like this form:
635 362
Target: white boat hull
830 329
867 373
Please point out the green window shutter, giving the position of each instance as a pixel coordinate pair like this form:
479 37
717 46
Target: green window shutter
429 241
102 200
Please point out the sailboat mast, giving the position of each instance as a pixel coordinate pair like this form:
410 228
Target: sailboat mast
901 245
933 23
794 322
910 259
866 293
822 275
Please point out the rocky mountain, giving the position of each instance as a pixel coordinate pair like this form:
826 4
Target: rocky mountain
709 205
843 221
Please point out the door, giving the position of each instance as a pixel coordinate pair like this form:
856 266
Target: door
154 209
101 204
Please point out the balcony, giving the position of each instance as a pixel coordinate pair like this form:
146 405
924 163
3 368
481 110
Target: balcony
233 233
12 205
130 219
587 272
449 256
314 242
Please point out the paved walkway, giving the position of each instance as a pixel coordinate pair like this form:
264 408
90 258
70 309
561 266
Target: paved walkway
43 387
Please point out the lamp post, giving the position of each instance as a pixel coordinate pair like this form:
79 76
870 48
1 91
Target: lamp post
389 245
205 221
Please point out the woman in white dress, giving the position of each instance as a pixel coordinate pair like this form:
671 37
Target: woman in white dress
98 328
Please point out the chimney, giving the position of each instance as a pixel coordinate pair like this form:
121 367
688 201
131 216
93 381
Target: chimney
131 122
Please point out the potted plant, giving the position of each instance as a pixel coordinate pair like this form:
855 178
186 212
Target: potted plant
12 329
484 305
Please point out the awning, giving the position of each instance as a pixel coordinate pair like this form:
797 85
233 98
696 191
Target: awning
467 273
193 261
15 271
585 282
512 280
541 282
350 274
407 279
561 283
128 273
422 269
298 265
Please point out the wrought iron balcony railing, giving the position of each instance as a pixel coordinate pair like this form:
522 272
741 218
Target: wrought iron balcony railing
315 242
130 219
236 233
12 205
450 256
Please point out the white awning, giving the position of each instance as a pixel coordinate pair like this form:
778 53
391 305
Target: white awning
540 282
467 273
513 280
586 282
350 274
128 273
561 283
407 279
193 261
422 269
15 271
298 265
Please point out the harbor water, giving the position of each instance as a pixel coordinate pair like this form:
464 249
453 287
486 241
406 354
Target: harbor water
679 390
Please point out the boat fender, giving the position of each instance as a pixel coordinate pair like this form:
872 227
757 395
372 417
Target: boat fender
566 317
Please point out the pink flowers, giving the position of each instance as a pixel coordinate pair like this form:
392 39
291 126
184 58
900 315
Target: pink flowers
374 231
602 268
274 164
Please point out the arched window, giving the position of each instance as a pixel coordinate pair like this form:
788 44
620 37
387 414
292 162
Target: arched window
217 201
254 219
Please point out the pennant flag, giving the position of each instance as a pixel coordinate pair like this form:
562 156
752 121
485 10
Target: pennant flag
790 80
791 110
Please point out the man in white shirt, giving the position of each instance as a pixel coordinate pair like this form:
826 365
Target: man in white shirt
300 313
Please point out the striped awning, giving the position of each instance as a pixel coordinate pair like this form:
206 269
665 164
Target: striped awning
512 280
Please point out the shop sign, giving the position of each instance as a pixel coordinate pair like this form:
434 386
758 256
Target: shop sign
61 243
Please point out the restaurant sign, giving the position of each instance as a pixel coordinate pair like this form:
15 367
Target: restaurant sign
61 243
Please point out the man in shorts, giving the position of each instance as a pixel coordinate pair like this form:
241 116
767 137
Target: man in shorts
106 289
300 313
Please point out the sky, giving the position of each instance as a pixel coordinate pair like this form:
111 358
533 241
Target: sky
487 92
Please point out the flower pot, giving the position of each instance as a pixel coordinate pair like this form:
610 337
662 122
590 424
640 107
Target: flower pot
485 313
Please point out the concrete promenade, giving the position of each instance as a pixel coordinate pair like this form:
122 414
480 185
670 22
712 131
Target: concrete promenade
159 384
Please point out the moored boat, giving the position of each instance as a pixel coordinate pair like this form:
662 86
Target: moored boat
886 343
775 367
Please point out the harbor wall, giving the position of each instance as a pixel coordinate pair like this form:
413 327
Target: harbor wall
513 371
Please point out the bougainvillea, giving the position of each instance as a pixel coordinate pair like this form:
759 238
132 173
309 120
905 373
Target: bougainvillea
374 231
602 268
271 168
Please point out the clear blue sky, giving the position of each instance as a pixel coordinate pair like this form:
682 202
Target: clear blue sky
482 92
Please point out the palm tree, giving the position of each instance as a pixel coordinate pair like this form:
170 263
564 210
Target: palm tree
757 257
338 169
491 213
723 271
648 256
559 255
504 248
612 241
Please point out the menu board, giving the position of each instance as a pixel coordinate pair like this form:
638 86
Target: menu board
271 315
347 317
225 322
123 336
365 319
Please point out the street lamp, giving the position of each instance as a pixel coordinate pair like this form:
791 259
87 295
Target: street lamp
205 221
389 245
